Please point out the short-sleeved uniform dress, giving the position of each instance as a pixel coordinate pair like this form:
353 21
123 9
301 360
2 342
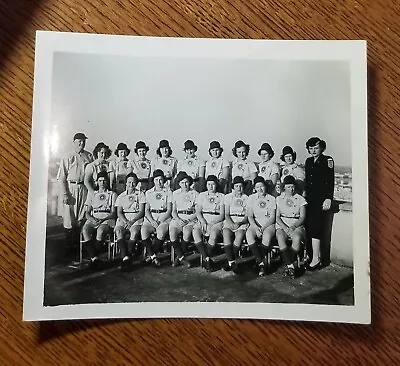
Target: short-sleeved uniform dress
121 168
185 205
320 181
168 166
142 168
210 203
158 203
263 207
130 204
102 204
244 168
289 207
72 170
191 166
237 210
266 170
95 168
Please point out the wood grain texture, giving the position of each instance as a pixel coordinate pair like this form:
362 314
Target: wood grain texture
215 342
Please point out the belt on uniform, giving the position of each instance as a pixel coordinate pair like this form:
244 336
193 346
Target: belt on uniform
158 211
168 178
210 213
144 180
100 211
74 182
290 217
131 212
196 179
186 212
238 215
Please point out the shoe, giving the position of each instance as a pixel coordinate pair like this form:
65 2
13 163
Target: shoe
227 267
126 265
262 272
156 262
147 260
317 267
290 272
96 265
235 268
186 263
177 262
209 265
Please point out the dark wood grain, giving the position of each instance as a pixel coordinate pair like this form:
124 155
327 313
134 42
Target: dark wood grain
202 341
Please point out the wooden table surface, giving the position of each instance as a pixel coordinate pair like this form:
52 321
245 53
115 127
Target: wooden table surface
202 341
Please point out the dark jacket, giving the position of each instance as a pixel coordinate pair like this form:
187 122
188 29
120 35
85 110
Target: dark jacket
320 179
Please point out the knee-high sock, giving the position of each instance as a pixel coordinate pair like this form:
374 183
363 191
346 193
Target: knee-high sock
122 247
91 248
69 237
202 249
256 252
157 244
236 251
148 246
210 249
229 252
185 246
287 255
131 246
178 248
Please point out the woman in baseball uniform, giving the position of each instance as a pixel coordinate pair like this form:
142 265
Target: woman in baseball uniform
241 167
261 208
210 211
130 206
290 167
267 168
142 166
290 218
100 216
157 216
218 166
193 166
101 153
120 168
183 214
165 162
236 222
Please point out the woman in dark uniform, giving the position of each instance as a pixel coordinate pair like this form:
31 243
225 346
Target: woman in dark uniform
320 180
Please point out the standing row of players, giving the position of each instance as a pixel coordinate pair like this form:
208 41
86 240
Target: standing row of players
79 174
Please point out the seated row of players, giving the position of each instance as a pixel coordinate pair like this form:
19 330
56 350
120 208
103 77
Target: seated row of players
194 166
197 216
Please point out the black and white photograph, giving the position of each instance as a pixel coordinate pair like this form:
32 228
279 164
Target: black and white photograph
198 178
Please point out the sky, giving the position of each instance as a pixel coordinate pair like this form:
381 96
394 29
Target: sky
125 99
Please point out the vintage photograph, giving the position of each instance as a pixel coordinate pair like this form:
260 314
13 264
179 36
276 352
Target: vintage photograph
199 176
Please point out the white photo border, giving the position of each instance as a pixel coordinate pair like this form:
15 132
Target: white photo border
49 42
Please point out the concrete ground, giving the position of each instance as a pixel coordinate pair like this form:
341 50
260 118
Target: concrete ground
68 282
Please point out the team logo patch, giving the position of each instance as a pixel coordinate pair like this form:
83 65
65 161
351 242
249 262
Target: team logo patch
186 198
239 202
289 202
262 204
158 196
190 162
131 198
143 165
263 169
213 164
165 161
212 199
240 166
102 197
330 163
286 171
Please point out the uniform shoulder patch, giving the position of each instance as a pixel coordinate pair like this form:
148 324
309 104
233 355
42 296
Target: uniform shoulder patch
330 163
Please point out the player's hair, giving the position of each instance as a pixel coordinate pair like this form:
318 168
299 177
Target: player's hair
133 175
238 145
158 152
314 141
99 146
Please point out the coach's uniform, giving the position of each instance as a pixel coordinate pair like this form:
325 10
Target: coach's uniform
263 207
120 168
320 180
237 210
142 168
168 166
130 204
158 203
191 166
211 207
289 208
185 207
102 204
71 175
